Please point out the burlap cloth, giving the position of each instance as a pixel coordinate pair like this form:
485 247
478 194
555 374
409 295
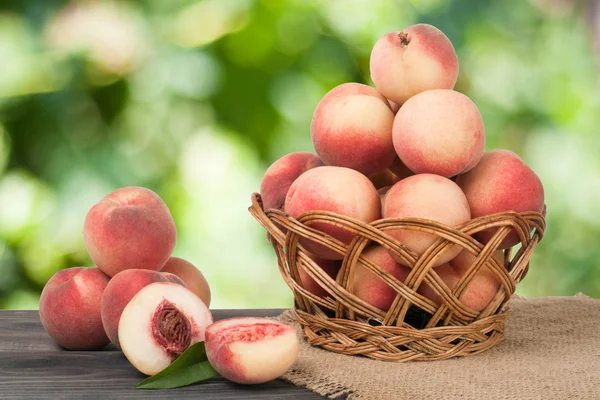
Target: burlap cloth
551 351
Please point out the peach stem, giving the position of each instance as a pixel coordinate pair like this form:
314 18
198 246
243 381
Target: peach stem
404 40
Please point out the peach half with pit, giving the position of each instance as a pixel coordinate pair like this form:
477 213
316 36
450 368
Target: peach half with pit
119 292
159 323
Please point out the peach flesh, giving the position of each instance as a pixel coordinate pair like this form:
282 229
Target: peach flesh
335 189
251 350
417 59
119 292
70 308
192 277
439 132
352 128
159 323
130 228
500 182
281 174
429 197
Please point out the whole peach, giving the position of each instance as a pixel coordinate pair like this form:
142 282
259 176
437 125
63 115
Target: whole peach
130 228
336 189
281 174
429 197
439 132
70 308
500 182
192 277
352 127
407 63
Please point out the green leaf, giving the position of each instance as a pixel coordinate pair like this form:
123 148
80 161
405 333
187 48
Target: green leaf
192 374
190 367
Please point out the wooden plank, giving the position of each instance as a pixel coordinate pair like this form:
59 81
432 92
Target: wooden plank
33 367
21 331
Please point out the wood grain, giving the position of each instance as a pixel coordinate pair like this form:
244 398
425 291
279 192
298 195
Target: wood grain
33 367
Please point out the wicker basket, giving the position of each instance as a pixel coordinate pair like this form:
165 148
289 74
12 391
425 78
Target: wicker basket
414 328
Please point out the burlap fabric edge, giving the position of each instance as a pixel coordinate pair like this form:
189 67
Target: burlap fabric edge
551 350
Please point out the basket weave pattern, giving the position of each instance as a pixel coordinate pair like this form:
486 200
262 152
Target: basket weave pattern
414 328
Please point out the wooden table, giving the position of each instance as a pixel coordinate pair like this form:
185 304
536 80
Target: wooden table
33 367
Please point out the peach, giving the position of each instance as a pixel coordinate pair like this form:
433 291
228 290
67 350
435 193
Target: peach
120 290
335 189
500 182
70 308
352 127
369 287
251 350
417 59
159 323
131 228
383 179
331 268
439 132
480 290
399 169
430 197
281 174
191 276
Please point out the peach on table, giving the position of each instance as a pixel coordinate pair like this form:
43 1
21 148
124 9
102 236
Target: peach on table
119 292
130 228
190 275
70 308
251 350
159 323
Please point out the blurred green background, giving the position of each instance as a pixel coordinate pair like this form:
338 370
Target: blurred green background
194 99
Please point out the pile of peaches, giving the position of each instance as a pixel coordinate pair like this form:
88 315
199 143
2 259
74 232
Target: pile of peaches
410 147
149 304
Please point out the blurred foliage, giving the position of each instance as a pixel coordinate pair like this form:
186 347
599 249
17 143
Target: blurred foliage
194 99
